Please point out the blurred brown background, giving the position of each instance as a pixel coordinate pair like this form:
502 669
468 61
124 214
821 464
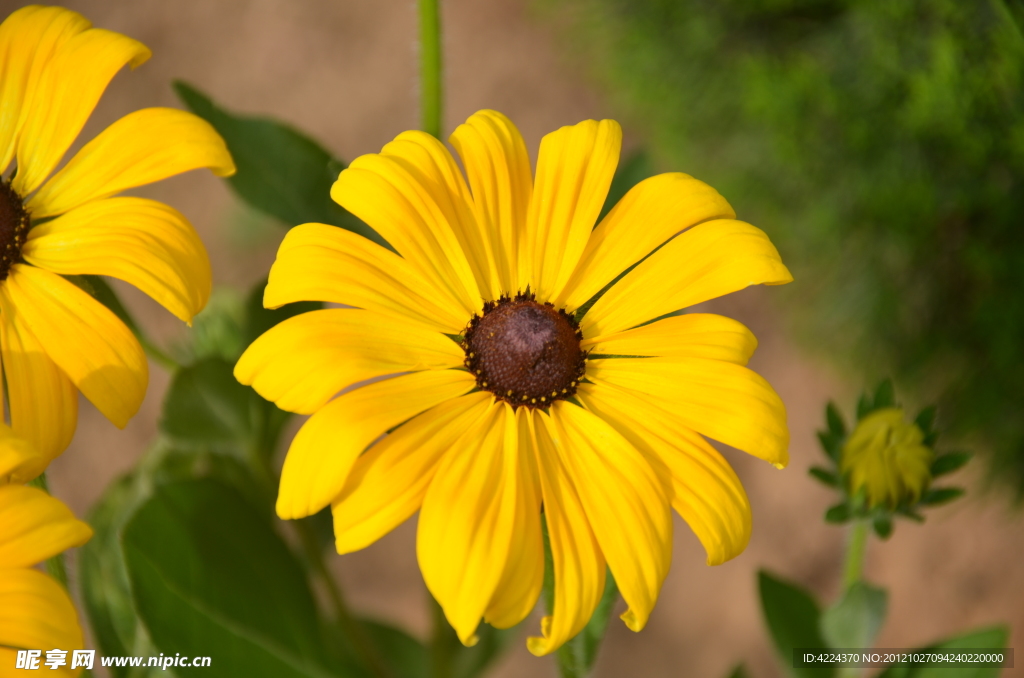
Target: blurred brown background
345 72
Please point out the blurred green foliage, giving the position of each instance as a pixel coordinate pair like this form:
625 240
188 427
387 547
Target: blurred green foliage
881 146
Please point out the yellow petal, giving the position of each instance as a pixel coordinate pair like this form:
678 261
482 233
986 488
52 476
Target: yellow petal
648 215
84 338
43 402
143 242
726 402
626 502
704 262
705 489
306 360
498 168
575 167
698 335
35 614
63 97
468 517
414 211
578 564
317 262
140 148
328 444
34 526
523 577
28 39
19 461
387 484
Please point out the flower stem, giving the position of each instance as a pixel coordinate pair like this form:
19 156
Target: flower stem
443 643
431 86
856 548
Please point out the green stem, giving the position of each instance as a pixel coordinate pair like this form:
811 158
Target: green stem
443 643
855 550
431 88
157 354
55 566
350 626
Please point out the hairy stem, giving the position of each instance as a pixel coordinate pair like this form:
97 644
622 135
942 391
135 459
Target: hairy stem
431 86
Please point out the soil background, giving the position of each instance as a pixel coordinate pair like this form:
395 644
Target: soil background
345 72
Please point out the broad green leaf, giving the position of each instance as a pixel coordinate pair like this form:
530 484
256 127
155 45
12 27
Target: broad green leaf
210 577
824 475
885 395
576 657
281 171
926 419
987 639
831 444
405 656
947 463
854 621
839 513
941 495
792 617
834 418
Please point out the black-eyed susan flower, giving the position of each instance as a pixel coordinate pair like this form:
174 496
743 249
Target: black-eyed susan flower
595 419
36 612
886 458
55 339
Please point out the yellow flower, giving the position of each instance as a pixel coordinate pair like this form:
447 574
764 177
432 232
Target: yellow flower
506 260
887 458
57 340
35 611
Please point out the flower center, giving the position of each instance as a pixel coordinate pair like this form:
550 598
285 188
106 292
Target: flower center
13 228
525 353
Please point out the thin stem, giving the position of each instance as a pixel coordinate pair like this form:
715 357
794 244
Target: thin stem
855 550
156 353
443 644
348 623
431 86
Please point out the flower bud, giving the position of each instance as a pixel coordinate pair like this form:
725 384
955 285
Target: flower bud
887 458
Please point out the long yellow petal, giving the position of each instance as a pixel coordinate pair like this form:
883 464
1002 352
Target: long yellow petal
142 147
467 521
29 37
84 338
387 483
143 242
34 526
414 212
578 564
523 577
704 262
705 490
19 461
724 401
575 167
498 168
627 504
325 448
43 401
64 96
306 360
317 262
35 614
697 335
647 216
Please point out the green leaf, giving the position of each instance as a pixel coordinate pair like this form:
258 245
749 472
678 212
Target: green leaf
450 657
792 617
211 578
577 656
840 513
987 639
885 395
864 406
941 495
947 463
281 171
258 319
824 475
854 621
883 526
926 419
831 444
739 672
405 656
834 418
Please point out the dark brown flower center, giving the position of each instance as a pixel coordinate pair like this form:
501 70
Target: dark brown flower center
13 228
525 353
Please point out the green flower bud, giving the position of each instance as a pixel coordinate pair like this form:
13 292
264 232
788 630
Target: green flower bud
887 458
